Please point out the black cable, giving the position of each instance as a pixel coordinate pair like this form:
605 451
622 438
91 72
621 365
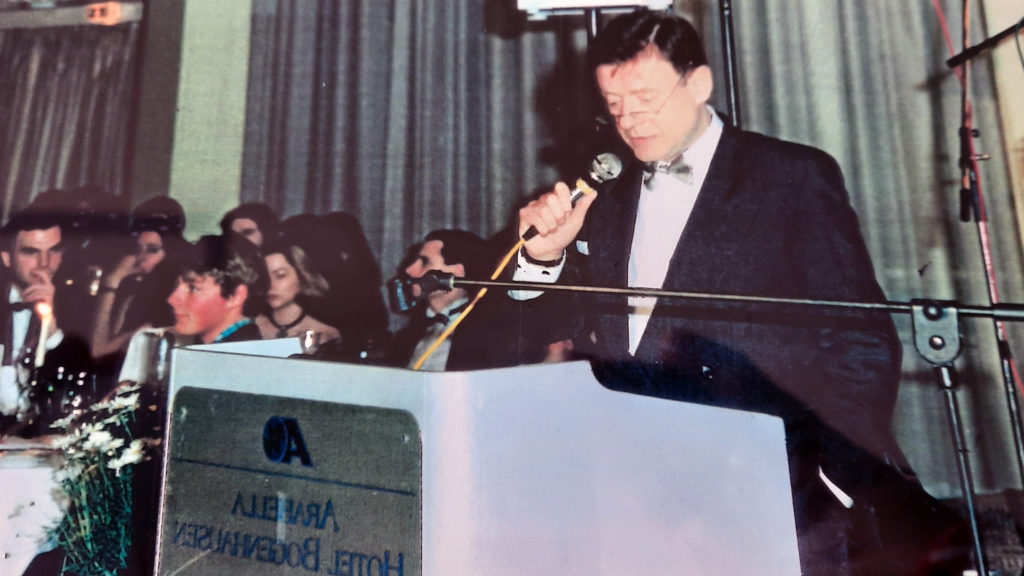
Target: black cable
1020 51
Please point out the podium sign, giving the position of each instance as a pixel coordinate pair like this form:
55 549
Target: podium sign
290 486
528 470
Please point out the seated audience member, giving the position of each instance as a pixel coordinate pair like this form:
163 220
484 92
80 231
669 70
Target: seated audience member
354 304
31 248
222 283
478 340
291 282
133 293
93 226
253 221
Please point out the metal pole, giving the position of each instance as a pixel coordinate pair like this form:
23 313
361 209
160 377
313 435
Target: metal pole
729 54
963 464
971 205
592 15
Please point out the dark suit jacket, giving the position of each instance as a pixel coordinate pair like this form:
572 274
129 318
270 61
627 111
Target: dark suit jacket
71 356
487 338
771 219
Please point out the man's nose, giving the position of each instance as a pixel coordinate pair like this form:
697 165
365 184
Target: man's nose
175 297
625 121
414 271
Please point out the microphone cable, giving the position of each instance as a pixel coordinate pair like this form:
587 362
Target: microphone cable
458 319
604 169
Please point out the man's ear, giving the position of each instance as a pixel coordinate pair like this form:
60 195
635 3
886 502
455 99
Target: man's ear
239 296
6 257
700 82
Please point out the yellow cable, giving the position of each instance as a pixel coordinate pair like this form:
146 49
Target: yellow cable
458 319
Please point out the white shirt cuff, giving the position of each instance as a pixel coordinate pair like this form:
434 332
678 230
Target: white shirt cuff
527 271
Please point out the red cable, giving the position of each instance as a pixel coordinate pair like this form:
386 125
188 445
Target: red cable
982 220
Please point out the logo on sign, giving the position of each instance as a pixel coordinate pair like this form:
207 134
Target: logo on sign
282 440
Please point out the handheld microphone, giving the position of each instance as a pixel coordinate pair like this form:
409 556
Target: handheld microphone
605 168
399 291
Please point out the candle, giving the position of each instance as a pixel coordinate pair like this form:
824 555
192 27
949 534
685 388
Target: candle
45 312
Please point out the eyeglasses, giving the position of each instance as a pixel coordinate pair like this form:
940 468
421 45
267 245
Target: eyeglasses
610 117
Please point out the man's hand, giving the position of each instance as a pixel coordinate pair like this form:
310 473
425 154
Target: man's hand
126 266
556 220
40 290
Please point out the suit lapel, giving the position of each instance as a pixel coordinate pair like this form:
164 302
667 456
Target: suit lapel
694 266
693 258
611 236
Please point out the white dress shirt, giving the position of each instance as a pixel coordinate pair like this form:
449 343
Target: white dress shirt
666 203
439 359
11 400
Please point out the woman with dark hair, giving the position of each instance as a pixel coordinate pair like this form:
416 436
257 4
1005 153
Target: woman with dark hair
291 283
132 295
253 221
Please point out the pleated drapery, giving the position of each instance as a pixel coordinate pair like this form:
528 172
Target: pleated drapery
66 109
416 115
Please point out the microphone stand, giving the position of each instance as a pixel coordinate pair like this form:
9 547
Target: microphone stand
972 207
725 14
434 280
970 53
936 326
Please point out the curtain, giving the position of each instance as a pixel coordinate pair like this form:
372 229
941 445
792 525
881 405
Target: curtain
66 107
411 115
416 115
866 81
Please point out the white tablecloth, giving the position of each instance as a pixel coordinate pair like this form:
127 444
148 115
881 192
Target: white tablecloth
31 504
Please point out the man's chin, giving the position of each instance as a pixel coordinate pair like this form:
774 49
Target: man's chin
184 329
645 153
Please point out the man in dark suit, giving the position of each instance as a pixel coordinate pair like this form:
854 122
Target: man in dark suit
32 251
462 254
703 207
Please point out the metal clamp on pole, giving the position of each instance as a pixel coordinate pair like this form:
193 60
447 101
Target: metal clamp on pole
936 331
937 339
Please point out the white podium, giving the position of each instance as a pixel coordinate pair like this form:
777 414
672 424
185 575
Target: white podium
291 466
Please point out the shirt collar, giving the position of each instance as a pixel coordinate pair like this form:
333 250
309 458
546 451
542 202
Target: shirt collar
231 330
699 154
14 297
451 309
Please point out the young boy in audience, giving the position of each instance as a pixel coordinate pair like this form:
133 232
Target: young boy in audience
222 284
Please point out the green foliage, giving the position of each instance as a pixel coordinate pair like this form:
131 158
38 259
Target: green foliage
99 451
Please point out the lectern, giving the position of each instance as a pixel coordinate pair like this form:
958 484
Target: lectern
293 466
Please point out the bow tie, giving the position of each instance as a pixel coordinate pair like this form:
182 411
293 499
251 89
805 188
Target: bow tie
19 306
442 318
439 318
677 168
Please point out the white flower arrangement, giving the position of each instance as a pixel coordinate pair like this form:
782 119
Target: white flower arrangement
99 452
